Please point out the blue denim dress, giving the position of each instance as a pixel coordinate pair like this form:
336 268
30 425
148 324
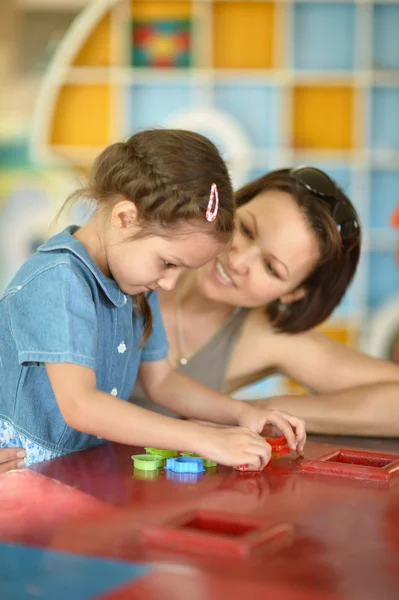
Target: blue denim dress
60 308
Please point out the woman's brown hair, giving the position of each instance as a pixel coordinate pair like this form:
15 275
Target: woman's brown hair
168 174
327 284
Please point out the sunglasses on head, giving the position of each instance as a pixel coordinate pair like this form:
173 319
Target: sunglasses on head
320 185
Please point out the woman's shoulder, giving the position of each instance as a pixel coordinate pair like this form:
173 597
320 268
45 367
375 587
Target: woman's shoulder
253 350
265 345
257 325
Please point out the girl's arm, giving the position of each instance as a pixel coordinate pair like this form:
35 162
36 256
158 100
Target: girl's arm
189 398
98 413
355 394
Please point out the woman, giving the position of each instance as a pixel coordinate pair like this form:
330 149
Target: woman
254 310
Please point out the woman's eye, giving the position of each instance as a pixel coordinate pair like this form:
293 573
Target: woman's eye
270 269
247 232
169 265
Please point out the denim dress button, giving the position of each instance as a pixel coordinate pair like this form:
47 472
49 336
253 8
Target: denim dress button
122 348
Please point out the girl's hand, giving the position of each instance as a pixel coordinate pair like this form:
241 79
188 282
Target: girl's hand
260 420
234 446
11 458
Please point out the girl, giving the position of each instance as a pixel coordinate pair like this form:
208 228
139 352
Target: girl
253 310
82 314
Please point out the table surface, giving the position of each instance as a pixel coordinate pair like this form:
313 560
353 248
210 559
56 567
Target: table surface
342 539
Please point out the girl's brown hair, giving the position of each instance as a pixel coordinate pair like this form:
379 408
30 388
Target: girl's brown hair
168 174
327 284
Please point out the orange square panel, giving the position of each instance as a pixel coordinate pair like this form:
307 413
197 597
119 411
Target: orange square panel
159 9
243 35
322 117
82 116
96 51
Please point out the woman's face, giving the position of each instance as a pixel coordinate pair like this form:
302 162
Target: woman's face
273 251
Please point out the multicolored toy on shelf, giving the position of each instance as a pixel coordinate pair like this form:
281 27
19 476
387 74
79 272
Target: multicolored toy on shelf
161 43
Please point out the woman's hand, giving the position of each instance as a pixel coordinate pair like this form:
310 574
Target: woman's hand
265 421
11 458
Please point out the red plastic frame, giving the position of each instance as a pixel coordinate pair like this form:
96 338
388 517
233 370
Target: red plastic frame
355 464
279 447
220 534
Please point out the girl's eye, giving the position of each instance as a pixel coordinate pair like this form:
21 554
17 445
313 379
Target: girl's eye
169 265
270 268
247 232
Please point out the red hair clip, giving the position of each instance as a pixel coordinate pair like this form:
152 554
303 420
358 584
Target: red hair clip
213 204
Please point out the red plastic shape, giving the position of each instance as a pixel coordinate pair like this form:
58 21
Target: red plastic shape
355 464
218 534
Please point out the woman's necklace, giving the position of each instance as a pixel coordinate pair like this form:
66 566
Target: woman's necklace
182 354
181 346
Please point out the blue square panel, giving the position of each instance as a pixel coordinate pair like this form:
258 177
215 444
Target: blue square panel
348 302
257 172
254 106
152 105
383 277
386 37
27 572
324 35
384 118
265 388
384 197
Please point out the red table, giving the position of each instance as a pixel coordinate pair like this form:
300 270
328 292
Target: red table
331 537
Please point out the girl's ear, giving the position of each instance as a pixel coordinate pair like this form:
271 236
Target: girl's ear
293 296
124 215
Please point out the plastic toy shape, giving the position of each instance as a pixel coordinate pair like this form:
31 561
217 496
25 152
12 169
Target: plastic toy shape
279 447
355 464
185 464
221 534
207 463
147 462
164 453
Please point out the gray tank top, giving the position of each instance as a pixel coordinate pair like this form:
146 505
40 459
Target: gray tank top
208 365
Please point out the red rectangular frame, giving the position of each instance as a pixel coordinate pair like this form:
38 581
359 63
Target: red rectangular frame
355 464
219 534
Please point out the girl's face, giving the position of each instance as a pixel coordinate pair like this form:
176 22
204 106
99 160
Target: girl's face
152 262
273 251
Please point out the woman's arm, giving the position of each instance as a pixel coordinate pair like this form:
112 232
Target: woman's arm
355 393
370 410
325 365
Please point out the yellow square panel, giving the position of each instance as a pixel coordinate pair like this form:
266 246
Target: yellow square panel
243 35
341 334
160 10
82 116
96 51
322 117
